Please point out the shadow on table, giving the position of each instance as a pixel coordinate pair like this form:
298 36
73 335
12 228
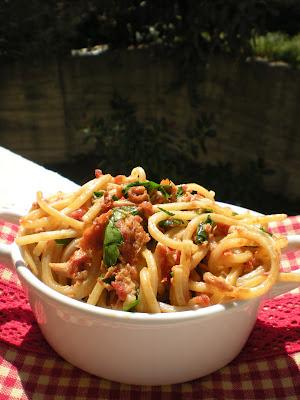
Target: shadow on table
266 340
40 374
19 328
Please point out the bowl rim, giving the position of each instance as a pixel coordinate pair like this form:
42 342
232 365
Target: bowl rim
118 315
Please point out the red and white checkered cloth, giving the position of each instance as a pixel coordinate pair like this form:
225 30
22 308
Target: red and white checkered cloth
30 370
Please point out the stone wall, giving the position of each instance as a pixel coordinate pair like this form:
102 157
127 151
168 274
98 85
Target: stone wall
43 105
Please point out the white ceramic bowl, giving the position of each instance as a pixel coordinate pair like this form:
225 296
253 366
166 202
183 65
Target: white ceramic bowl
138 348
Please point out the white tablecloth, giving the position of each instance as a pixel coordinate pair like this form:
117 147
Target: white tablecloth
20 180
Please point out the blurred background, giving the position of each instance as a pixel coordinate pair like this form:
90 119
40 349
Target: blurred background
193 90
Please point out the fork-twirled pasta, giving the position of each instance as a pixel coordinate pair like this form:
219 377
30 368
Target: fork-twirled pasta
131 244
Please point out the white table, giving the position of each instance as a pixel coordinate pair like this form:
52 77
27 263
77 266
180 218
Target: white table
20 180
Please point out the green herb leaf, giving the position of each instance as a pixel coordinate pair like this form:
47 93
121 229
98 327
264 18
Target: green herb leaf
130 306
180 192
265 231
163 189
109 279
201 234
111 254
122 212
63 242
112 240
207 210
203 211
149 185
115 198
98 194
170 223
112 235
166 211
209 221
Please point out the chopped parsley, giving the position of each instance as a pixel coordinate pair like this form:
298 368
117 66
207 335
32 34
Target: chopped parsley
131 306
150 186
209 221
115 198
201 233
180 191
122 212
63 242
166 211
170 223
112 235
204 211
112 240
109 279
98 194
265 231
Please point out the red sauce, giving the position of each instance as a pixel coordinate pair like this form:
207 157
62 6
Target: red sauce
221 229
78 214
93 236
167 258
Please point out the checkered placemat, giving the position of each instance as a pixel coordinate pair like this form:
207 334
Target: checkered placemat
30 375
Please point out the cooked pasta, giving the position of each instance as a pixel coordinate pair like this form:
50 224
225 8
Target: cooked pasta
131 244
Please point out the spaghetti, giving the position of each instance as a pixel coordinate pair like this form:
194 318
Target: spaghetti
131 244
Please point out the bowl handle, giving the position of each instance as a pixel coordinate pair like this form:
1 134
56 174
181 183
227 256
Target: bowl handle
5 249
284 287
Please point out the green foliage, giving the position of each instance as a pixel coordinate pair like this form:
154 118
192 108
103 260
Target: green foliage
121 141
203 130
197 26
188 31
276 46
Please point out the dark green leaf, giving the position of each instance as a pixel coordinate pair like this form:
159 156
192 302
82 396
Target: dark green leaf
166 211
201 234
115 198
164 190
149 185
122 212
209 221
265 231
111 254
63 242
131 306
112 240
109 279
113 237
180 192
207 210
98 194
170 223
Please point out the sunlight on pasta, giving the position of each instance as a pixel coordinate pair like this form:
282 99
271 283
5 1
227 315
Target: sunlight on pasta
131 244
